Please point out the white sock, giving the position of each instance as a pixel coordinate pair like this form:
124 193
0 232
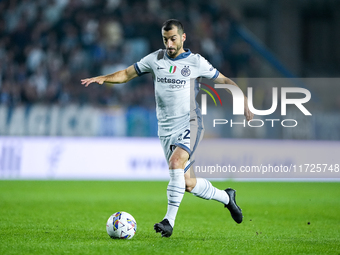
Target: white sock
175 192
204 189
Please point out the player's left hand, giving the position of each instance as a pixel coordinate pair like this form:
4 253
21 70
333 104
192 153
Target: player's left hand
99 79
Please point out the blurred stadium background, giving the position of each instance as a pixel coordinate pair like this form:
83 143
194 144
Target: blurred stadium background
46 47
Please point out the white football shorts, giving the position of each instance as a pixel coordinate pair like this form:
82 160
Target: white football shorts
186 138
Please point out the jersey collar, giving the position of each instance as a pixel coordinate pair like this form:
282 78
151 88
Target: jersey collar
181 56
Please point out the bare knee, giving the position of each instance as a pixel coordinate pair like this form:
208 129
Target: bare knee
176 163
178 159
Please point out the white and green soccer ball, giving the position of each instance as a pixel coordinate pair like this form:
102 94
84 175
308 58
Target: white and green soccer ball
121 225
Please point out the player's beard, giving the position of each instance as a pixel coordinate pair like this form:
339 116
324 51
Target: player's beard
174 52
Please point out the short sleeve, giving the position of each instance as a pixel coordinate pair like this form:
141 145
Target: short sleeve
144 65
206 70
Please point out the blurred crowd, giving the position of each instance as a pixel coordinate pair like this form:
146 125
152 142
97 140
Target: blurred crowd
46 47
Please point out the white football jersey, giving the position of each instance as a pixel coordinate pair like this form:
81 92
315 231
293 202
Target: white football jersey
174 80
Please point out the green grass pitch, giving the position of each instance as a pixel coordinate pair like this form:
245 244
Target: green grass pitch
69 217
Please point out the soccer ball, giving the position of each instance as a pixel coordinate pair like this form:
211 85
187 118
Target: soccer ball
121 225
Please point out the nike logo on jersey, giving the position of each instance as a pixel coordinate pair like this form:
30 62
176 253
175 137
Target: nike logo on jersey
158 67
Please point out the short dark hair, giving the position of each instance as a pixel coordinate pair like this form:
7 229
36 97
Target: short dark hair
170 23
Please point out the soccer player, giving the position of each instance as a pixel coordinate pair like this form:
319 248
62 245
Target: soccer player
172 70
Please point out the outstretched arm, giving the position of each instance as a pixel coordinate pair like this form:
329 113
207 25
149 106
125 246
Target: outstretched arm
117 77
221 79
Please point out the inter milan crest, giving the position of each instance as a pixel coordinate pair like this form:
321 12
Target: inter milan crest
186 71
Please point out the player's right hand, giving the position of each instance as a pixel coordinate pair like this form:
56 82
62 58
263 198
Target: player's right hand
99 79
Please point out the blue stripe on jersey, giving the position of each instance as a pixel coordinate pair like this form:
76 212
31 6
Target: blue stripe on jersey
138 70
180 56
216 75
